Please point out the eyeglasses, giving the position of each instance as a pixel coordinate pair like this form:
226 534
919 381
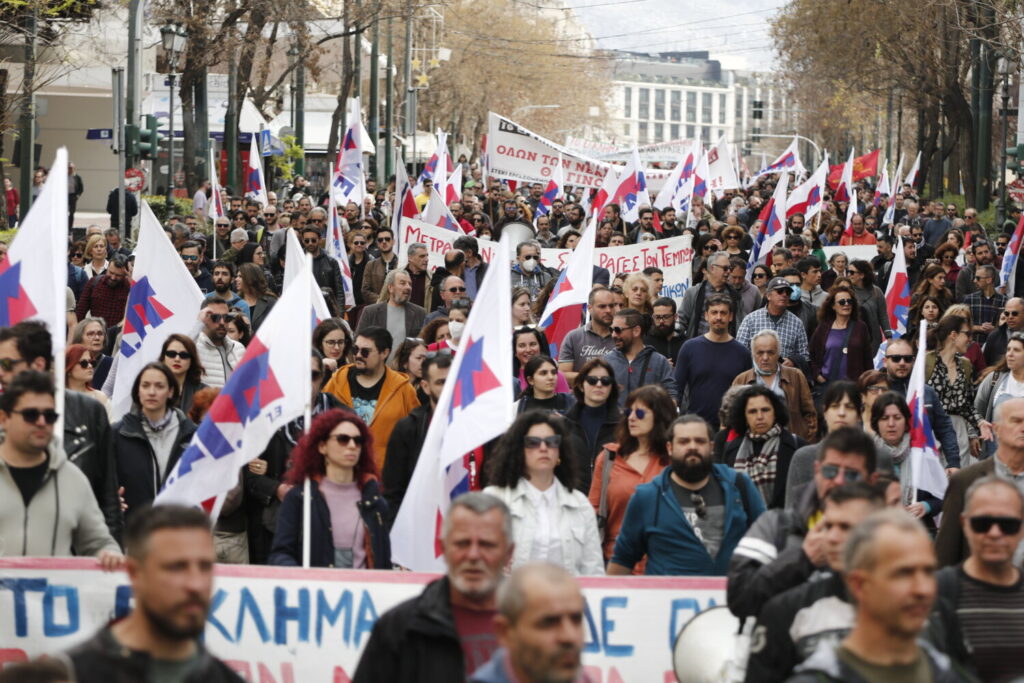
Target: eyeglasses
700 507
981 277
223 225
620 330
439 352
7 364
359 244
190 257
899 358
710 247
982 524
183 355
346 439
832 471
77 254
334 343
456 289
603 380
639 412
383 239
312 240
877 389
86 363
32 415
534 442
844 302
269 215
362 351
1012 314
218 317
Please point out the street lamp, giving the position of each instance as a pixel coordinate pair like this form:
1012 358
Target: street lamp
1007 65
173 38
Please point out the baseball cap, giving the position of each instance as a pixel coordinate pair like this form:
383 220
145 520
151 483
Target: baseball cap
779 283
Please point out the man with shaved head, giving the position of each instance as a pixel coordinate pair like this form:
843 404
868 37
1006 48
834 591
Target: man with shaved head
1012 321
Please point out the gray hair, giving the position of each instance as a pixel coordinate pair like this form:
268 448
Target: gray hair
512 596
414 247
389 279
992 480
989 270
727 400
479 504
239 235
860 549
444 282
527 243
717 256
111 231
1002 407
767 332
78 331
318 210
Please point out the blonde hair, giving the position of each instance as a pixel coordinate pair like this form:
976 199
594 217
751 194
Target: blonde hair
93 241
647 282
962 310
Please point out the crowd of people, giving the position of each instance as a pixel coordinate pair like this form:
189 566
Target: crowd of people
743 432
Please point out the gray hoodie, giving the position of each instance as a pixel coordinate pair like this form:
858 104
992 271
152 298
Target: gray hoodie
62 516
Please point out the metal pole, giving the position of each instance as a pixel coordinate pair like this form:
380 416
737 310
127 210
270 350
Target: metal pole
26 134
410 125
300 115
983 176
357 55
389 109
118 93
202 136
170 148
231 125
888 128
375 98
136 24
1001 208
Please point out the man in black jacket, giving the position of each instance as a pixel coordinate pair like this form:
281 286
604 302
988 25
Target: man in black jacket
170 611
410 432
447 631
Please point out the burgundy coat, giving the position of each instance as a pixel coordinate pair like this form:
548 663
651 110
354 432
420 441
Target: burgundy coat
858 349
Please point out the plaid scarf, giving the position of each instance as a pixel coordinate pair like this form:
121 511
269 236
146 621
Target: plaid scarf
761 467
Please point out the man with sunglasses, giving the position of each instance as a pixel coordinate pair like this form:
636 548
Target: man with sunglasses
326 270
995 343
716 507
987 589
219 353
951 545
967 282
899 362
786 546
378 269
452 289
191 255
47 507
635 363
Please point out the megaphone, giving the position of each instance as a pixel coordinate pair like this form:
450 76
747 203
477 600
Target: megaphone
711 649
520 232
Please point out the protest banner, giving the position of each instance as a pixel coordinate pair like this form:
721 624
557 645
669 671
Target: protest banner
673 256
515 153
287 625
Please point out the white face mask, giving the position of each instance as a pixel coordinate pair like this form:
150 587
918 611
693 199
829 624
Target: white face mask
455 328
529 265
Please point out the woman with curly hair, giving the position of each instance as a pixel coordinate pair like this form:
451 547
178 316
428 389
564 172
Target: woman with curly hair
639 290
638 456
347 526
533 471
946 256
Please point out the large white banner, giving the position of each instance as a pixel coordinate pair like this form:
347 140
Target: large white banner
278 624
674 256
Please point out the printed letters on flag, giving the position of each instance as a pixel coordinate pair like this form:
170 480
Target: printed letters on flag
164 300
268 389
475 406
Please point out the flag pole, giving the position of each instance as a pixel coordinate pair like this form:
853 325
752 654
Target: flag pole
306 486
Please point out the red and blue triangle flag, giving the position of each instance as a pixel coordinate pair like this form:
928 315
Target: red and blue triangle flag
255 184
926 469
772 229
806 197
335 241
349 182
475 406
897 292
1007 273
268 389
568 299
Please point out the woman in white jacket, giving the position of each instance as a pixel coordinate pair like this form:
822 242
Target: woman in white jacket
533 472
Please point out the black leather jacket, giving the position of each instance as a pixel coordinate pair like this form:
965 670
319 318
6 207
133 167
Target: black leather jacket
87 445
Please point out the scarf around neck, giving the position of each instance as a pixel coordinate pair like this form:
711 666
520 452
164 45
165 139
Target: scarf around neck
761 468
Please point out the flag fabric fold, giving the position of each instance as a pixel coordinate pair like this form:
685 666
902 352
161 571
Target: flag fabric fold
255 180
1007 274
565 307
926 468
773 225
349 183
475 406
806 198
789 161
897 292
335 242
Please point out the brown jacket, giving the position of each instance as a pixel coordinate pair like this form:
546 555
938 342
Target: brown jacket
950 543
373 279
803 418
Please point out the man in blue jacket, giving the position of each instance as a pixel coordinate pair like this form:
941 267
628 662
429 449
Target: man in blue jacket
690 518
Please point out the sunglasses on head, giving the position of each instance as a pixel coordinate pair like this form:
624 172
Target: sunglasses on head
32 415
603 380
86 363
982 524
439 352
832 471
346 439
553 441
900 358
184 355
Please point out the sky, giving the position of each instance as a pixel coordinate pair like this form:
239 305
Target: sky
733 31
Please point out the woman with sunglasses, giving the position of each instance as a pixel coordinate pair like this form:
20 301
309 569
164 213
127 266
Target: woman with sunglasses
533 471
150 438
733 236
841 344
760 275
841 406
949 372
541 374
347 509
873 309
595 414
76 253
946 255
333 339
79 369
871 384
92 333
179 353
766 447
890 420
638 455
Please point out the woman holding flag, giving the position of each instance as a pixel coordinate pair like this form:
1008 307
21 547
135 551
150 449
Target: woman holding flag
348 511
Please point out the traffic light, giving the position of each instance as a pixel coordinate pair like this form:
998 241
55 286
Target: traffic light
1015 160
131 141
149 138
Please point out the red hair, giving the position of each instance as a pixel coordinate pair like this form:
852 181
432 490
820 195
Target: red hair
72 355
308 462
